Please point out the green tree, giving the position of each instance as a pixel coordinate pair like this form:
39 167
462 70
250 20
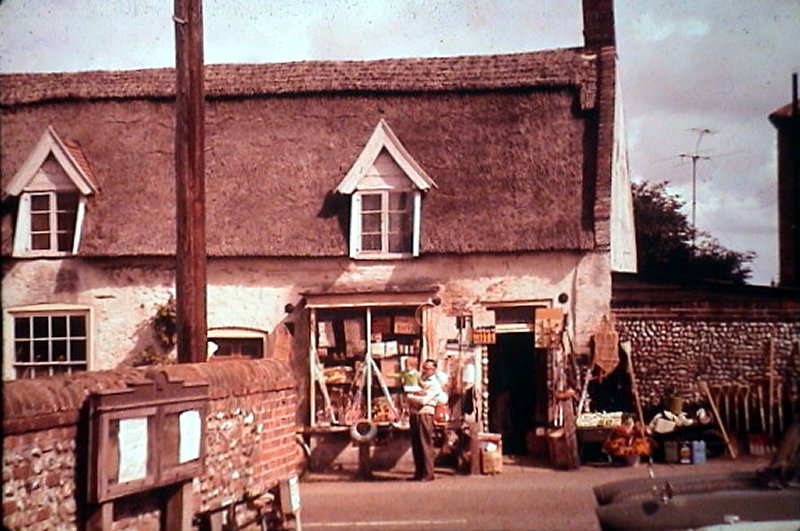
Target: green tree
665 247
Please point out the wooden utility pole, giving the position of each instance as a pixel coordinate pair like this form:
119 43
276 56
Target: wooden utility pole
190 273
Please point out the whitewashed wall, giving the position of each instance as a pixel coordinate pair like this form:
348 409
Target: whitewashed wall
252 293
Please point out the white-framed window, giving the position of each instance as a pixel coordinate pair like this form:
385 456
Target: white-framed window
49 342
387 219
230 343
384 224
52 225
385 186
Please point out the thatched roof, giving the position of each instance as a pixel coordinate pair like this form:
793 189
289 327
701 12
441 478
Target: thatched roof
504 137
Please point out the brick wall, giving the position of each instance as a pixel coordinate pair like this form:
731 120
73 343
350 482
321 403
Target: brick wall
250 444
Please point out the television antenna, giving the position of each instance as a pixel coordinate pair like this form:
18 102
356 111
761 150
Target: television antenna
696 156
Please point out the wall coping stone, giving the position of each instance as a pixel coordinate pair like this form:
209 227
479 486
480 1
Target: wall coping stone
30 405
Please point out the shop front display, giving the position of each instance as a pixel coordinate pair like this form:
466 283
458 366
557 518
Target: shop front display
364 355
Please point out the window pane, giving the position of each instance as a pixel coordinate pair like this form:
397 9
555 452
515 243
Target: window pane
371 223
66 221
77 326
41 351
399 222
60 350
399 201
40 222
40 203
59 326
22 327
371 242
252 348
370 202
22 352
77 350
225 347
67 202
399 243
40 241
65 242
41 327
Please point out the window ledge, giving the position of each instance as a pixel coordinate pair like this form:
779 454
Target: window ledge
43 254
384 256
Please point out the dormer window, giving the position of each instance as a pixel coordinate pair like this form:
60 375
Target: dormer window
52 187
386 187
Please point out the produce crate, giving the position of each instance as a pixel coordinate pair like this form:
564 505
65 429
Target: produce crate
491 449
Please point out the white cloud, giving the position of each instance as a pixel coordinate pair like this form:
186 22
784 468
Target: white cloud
648 26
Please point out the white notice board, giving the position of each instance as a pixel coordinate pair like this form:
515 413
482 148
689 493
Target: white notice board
190 430
132 449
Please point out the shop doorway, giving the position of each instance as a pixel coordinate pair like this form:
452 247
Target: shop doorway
517 389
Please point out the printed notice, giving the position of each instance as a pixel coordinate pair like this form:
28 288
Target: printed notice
294 493
132 449
190 429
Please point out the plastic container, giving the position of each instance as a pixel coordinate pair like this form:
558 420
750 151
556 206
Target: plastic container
698 452
671 451
685 453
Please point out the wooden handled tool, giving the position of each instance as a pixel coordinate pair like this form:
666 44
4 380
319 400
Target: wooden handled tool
714 409
746 389
726 391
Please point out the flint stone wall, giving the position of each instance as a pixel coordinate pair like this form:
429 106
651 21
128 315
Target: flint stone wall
250 443
679 349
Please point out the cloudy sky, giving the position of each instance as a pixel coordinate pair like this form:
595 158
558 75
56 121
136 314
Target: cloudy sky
721 65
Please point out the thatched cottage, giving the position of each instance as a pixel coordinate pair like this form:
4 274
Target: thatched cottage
397 205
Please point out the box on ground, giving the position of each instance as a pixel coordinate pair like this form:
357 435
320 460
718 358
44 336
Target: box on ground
491 451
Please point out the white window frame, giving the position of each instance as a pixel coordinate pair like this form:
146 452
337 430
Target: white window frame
10 364
356 228
23 241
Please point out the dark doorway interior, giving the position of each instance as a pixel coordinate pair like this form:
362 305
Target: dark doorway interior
517 390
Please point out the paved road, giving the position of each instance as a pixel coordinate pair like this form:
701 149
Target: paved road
526 496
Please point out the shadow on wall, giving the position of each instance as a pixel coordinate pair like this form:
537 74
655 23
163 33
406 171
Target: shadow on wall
154 339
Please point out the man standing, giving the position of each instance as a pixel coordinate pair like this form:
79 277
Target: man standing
423 406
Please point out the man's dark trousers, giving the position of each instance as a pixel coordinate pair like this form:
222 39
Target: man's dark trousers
422 445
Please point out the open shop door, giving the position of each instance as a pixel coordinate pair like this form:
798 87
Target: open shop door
517 389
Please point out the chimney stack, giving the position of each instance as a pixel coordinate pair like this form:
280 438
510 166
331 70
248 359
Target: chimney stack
598 23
